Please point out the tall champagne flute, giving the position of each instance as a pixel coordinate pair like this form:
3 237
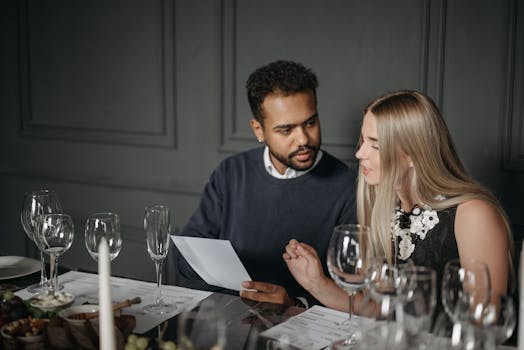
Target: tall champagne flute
103 225
157 227
37 203
348 256
56 237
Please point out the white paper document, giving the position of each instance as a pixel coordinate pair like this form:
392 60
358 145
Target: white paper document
84 286
215 261
314 329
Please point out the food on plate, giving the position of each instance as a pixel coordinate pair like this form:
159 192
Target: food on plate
52 301
25 327
70 313
75 334
135 342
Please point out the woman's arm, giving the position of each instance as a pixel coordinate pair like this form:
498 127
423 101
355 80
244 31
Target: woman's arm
304 264
481 235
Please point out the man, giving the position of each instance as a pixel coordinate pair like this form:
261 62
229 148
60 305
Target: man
261 198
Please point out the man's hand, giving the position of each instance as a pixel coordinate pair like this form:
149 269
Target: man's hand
266 292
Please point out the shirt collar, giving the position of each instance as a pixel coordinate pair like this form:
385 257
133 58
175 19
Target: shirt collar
289 173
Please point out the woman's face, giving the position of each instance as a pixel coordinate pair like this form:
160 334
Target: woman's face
368 154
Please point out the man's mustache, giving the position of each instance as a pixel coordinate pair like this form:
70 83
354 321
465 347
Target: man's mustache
302 149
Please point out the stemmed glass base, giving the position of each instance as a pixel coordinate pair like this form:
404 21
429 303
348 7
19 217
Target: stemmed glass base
355 327
160 308
39 288
344 344
43 285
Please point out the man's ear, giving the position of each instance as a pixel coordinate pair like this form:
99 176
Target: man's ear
258 129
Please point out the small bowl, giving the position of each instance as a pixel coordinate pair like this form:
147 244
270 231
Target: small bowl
41 302
77 309
21 342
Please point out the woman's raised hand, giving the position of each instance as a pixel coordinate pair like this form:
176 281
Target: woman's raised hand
305 266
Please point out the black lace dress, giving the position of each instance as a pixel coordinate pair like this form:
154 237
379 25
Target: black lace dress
438 247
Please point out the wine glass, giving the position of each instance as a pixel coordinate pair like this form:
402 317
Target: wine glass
106 225
55 237
203 328
454 335
466 289
383 281
37 203
348 256
499 319
417 297
157 226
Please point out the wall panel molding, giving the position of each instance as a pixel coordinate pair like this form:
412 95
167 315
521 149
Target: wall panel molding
52 120
514 131
433 77
430 75
162 185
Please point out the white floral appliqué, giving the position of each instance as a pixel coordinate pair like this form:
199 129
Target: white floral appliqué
420 222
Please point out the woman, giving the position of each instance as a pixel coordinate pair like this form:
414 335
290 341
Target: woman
409 171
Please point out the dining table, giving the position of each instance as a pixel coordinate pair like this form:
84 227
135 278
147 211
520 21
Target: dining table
245 320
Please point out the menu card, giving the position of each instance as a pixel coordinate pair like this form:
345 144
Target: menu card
315 328
84 286
215 261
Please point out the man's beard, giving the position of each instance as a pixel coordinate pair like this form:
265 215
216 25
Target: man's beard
289 160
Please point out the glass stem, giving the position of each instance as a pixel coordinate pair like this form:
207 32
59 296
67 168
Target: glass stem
43 277
350 305
159 282
52 273
56 275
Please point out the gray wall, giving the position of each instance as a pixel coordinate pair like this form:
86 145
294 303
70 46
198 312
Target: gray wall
122 103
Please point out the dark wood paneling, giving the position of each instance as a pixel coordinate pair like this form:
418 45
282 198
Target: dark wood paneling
98 71
514 141
368 43
122 103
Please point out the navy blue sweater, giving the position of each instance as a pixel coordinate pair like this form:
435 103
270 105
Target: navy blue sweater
259 214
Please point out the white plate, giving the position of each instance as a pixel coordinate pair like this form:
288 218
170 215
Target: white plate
16 266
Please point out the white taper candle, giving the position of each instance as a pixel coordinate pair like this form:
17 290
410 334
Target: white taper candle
106 321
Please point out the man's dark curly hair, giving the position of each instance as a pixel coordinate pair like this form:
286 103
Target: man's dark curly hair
279 77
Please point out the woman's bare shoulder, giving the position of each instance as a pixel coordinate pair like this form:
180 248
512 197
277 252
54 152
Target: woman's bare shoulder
477 211
478 222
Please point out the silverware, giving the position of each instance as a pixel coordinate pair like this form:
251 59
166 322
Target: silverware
118 306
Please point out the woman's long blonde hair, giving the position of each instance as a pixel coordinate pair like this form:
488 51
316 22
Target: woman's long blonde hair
409 123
